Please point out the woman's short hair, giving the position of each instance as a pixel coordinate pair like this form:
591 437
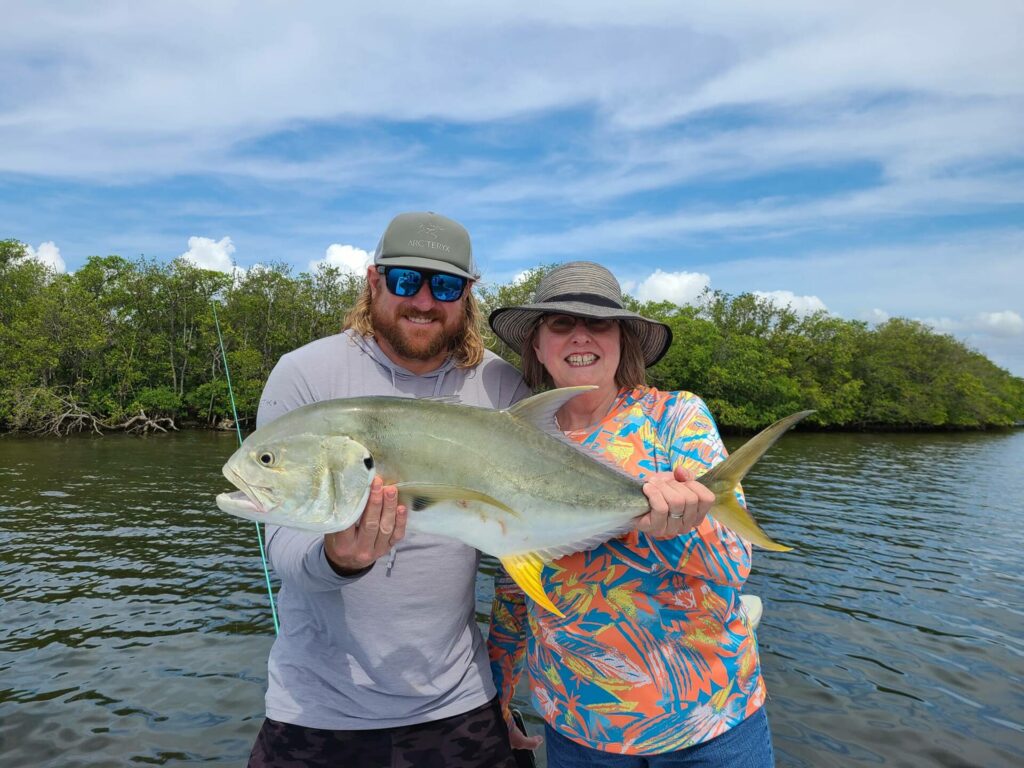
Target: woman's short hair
630 373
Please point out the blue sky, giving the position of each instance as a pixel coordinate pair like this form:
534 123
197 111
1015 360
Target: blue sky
868 161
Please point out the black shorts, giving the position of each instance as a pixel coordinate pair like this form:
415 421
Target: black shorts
474 739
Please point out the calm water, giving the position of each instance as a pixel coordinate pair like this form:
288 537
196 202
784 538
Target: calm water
136 625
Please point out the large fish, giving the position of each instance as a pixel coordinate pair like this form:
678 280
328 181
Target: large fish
506 482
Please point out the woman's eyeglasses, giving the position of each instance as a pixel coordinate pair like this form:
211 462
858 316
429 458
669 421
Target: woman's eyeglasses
406 282
562 324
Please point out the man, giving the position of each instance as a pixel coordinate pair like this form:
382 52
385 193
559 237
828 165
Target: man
379 661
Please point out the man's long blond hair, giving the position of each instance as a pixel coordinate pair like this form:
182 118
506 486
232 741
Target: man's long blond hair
468 353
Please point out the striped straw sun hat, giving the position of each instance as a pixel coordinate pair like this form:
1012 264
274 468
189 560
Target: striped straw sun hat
583 289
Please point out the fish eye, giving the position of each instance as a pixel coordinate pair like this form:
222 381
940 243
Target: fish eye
267 459
368 461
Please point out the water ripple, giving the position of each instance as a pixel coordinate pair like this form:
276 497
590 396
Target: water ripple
137 627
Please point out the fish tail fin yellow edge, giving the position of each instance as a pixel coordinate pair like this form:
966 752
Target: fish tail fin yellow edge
723 479
730 513
525 571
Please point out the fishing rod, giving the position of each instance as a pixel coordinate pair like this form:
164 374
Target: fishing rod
238 430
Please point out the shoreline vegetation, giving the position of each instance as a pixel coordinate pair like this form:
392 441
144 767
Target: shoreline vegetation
131 345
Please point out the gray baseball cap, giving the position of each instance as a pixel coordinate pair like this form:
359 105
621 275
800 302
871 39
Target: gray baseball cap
427 241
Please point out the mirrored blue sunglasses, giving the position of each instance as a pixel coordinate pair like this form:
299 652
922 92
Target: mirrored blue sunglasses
406 282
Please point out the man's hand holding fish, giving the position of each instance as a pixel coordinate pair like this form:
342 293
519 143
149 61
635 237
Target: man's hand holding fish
381 526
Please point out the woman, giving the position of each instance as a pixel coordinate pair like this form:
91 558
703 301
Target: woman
654 663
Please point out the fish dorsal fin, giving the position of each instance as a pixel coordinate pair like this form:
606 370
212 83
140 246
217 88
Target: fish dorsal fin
525 571
540 410
417 496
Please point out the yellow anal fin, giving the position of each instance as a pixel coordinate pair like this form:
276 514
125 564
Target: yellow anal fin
729 512
525 571
417 496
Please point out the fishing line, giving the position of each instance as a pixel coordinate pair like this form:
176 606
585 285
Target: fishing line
238 430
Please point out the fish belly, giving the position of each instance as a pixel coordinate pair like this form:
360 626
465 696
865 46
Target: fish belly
500 533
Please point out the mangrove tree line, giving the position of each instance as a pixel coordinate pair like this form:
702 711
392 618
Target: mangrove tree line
132 344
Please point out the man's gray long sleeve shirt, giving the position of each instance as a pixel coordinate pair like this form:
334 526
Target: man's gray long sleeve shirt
399 644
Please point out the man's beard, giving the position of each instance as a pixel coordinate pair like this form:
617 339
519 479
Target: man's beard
417 346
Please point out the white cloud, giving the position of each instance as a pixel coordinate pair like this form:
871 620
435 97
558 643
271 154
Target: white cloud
900 48
948 325
348 258
522 277
977 270
189 100
213 254
49 254
994 334
875 316
802 305
1000 324
678 287
913 143
1005 323
772 217
912 111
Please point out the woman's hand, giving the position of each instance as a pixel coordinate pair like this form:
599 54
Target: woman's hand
678 504
520 740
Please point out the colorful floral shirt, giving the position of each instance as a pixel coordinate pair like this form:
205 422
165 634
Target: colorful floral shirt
653 654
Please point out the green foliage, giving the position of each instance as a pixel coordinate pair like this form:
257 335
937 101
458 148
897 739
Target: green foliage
27 313
688 362
158 401
120 335
916 377
511 294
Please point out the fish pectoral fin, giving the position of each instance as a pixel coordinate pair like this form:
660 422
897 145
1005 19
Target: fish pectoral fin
729 512
525 571
417 496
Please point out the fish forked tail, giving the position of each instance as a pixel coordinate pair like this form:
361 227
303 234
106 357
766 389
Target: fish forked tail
723 478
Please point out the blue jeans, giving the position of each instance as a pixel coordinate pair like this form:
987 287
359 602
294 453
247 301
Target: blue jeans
747 745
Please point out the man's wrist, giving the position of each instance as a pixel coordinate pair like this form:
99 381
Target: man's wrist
348 573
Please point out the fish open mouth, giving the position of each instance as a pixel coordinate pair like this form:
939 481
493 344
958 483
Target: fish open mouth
244 502
239 503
